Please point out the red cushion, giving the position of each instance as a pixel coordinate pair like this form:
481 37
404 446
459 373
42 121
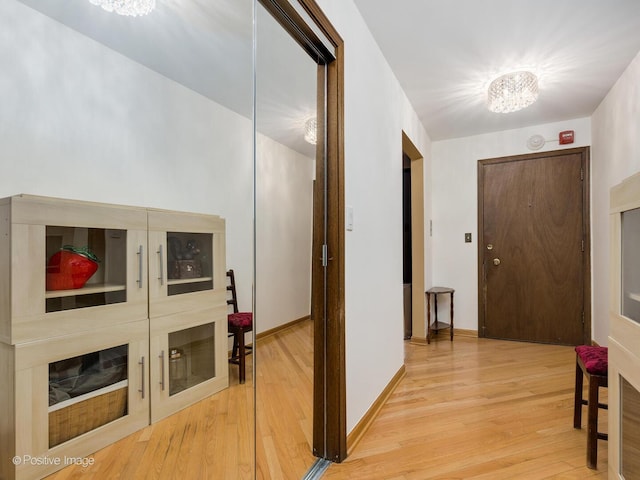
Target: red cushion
241 319
594 359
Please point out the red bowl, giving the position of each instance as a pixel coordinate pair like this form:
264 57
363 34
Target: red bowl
68 270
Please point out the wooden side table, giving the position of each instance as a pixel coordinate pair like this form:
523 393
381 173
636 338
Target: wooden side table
437 326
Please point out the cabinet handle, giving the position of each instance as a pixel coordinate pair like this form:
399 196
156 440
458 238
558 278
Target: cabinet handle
140 259
141 389
161 262
161 357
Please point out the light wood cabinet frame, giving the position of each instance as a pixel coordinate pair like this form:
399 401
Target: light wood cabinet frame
25 426
162 403
160 223
23 257
624 334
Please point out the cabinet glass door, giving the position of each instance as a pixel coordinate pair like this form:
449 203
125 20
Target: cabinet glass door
189 262
186 262
191 357
86 392
86 267
631 264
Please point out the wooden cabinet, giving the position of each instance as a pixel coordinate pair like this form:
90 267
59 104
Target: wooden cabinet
189 361
84 362
32 230
46 422
186 267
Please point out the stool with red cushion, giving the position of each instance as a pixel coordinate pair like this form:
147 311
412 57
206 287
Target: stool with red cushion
238 323
591 362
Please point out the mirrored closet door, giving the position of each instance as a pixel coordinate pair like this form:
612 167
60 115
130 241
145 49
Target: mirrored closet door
151 113
291 237
202 122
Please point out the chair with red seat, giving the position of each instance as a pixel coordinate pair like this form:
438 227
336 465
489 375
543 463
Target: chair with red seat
591 362
239 323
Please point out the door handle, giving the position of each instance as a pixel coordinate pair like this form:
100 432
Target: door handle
161 357
140 266
496 261
160 264
141 389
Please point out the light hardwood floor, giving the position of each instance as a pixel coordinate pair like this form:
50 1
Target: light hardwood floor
478 409
471 409
284 405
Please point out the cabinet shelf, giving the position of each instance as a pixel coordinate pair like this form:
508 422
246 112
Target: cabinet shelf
183 281
95 393
86 290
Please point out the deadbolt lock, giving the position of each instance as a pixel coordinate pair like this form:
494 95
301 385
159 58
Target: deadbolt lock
490 247
496 261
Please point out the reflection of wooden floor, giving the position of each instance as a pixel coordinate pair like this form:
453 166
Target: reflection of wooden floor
213 439
478 409
284 403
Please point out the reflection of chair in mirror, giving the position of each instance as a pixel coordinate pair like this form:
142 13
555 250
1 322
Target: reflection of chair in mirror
239 323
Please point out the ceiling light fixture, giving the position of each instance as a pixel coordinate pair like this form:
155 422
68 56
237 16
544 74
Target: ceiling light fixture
132 8
310 130
512 92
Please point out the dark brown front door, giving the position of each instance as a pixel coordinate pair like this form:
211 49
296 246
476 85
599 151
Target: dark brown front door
533 247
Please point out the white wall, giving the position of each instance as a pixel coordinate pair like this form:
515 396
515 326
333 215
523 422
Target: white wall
455 203
376 113
80 121
615 155
284 202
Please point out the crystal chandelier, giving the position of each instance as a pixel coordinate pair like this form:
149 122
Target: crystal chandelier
512 92
310 131
131 8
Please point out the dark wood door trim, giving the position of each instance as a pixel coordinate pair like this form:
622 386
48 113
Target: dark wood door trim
329 396
329 403
584 152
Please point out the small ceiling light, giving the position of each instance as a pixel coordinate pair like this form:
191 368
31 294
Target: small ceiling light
512 92
131 8
310 130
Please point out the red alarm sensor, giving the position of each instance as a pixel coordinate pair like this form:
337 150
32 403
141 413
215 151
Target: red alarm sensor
565 137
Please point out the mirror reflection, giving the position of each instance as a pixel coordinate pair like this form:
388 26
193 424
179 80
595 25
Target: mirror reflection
286 98
153 113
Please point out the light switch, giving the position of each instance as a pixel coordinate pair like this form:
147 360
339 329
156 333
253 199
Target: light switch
467 238
349 218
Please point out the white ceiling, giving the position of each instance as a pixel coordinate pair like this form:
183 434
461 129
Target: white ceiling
446 52
443 52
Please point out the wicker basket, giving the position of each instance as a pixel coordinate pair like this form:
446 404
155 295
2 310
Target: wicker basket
86 415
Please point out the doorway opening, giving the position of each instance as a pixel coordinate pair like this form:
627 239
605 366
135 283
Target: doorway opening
416 253
406 244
